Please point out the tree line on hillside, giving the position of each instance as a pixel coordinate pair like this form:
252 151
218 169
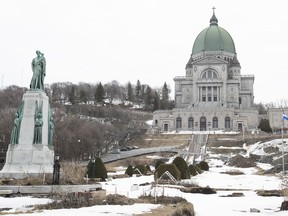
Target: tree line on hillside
140 94
87 121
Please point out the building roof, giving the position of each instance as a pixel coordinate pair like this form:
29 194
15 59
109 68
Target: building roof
213 38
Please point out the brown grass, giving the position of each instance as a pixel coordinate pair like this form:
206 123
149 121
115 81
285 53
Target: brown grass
72 173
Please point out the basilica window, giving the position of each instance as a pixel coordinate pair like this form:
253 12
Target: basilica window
178 123
227 123
215 122
209 74
203 93
215 93
209 94
190 122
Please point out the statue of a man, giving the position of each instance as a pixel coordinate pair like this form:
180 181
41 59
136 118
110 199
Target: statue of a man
39 71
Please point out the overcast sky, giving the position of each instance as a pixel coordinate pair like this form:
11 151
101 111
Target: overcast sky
150 40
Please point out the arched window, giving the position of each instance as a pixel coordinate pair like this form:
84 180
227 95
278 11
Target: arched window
190 122
203 123
178 123
156 123
227 123
209 74
215 122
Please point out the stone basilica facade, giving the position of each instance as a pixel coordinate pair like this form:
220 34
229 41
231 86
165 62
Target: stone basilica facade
213 95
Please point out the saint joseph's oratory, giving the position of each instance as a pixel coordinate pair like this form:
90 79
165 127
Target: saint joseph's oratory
213 95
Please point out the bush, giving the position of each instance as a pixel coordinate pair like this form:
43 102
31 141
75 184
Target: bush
171 168
97 169
264 125
183 167
198 169
129 170
192 170
141 168
158 163
204 165
148 168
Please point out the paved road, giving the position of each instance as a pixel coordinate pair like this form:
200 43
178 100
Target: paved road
136 152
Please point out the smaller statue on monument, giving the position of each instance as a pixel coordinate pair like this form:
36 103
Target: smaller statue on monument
38 129
14 137
15 130
39 71
50 131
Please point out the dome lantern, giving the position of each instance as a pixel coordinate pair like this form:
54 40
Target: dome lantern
214 20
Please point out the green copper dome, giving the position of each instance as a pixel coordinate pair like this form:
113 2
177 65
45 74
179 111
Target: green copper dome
213 38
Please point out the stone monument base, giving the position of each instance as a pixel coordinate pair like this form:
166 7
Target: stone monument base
24 161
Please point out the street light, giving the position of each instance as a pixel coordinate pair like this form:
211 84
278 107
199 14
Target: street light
93 167
56 170
209 124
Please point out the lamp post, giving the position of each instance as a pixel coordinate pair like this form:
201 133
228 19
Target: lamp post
93 167
56 170
209 124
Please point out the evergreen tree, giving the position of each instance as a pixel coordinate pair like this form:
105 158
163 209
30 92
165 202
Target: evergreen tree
83 96
96 169
138 91
182 166
72 95
156 100
129 170
165 97
130 95
148 97
99 93
264 125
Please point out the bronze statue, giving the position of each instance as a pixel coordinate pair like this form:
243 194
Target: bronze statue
50 131
14 137
39 71
38 123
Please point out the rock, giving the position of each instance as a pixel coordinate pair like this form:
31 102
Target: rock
240 161
284 206
234 195
254 210
203 190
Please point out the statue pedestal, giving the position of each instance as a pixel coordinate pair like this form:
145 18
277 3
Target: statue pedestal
26 158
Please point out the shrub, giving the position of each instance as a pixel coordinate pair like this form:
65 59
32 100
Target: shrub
141 168
158 163
198 169
171 168
97 169
204 165
192 170
129 170
148 168
183 167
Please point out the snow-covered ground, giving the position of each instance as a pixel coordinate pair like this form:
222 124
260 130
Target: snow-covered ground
204 205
